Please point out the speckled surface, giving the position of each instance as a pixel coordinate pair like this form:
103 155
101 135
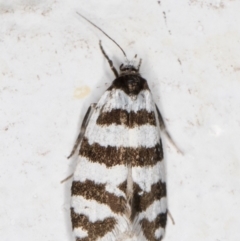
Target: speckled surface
51 69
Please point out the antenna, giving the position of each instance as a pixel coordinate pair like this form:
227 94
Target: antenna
102 32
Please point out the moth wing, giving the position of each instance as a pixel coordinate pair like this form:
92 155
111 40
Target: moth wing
149 204
119 189
98 203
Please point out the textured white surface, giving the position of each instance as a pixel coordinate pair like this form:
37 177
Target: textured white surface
51 69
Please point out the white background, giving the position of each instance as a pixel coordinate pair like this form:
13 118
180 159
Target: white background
51 69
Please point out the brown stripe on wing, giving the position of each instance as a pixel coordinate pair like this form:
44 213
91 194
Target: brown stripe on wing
95 229
149 228
83 239
93 191
142 200
131 119
112 156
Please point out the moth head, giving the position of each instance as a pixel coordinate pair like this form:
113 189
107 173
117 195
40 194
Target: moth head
128 70
129 67
130 79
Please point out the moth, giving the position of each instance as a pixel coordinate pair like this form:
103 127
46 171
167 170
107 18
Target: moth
119 184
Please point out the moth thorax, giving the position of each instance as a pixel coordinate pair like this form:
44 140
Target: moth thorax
133 85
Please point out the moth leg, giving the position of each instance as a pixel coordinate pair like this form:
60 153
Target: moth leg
109 60
171 217
67 178
83 128
165 131
139 64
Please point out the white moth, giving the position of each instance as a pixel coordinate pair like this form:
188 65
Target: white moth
119 188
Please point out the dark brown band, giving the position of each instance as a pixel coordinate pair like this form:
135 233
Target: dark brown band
112 156
93 191
130 119
96 229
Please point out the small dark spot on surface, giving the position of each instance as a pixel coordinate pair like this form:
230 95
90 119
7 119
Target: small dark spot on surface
164 15
44 153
